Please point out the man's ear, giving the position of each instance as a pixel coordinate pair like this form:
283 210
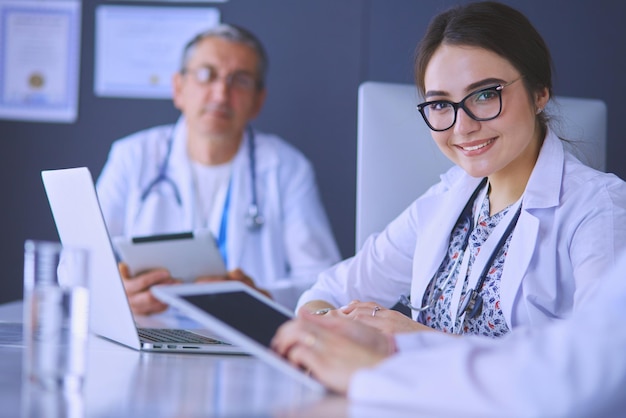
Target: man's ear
177 88
258 103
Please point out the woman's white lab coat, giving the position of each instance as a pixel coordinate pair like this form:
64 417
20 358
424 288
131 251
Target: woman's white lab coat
572 225
294 243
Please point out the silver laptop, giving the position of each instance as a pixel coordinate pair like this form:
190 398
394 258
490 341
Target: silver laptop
79 221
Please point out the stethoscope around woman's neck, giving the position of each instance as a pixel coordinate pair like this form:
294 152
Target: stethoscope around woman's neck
254 218
472 302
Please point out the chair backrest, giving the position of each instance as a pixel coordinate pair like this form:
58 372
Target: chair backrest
397 160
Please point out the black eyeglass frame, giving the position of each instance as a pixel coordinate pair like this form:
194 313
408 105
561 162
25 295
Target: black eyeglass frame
461 105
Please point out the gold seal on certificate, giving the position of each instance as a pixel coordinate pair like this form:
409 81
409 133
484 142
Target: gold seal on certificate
36 80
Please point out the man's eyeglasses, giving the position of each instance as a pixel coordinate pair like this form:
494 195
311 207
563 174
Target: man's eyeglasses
240 80
482 105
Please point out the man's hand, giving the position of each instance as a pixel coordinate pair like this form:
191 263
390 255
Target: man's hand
141 300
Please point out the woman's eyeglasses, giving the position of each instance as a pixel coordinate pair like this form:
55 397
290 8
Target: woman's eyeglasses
482 105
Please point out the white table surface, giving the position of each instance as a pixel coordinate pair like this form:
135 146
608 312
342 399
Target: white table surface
123 382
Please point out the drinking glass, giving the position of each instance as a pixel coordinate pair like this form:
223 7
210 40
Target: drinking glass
56 315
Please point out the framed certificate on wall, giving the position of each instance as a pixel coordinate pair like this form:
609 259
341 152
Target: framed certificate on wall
138 48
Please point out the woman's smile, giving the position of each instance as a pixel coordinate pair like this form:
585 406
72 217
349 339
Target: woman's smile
471 148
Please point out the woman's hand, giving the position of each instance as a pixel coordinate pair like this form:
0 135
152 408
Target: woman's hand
137 288
236 275
385 320
332 348
317 307
369 313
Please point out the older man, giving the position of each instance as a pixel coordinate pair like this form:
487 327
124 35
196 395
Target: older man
254 191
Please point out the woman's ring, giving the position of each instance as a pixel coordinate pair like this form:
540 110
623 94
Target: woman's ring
376 309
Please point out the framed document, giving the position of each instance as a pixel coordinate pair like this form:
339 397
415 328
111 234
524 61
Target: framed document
138 48
39 60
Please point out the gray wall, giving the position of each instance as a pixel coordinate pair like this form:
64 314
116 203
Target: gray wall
320 51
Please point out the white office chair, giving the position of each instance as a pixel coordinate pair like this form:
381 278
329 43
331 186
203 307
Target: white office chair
397 159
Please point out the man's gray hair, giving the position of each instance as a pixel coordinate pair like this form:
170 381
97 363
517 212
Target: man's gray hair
230 33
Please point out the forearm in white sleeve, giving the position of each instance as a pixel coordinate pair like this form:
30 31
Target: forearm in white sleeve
574 367
380 271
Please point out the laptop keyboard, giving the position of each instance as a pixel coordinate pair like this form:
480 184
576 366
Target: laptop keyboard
158 335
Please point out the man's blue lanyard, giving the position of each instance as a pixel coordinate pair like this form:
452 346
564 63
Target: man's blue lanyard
221 239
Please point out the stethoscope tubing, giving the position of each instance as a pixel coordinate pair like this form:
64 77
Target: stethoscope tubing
254 219
472 304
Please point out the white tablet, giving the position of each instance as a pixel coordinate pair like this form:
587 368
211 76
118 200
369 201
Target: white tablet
186 255
238 314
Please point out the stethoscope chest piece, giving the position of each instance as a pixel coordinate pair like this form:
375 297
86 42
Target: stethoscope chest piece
254 219
473 305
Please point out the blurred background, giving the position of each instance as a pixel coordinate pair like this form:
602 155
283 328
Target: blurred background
319 51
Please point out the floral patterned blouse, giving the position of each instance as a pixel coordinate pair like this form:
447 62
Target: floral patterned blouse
490 322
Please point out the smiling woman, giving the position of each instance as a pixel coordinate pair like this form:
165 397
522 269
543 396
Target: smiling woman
518 234
518 231
504 142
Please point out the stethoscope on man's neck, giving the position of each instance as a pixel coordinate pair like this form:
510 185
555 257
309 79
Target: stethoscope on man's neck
254 218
